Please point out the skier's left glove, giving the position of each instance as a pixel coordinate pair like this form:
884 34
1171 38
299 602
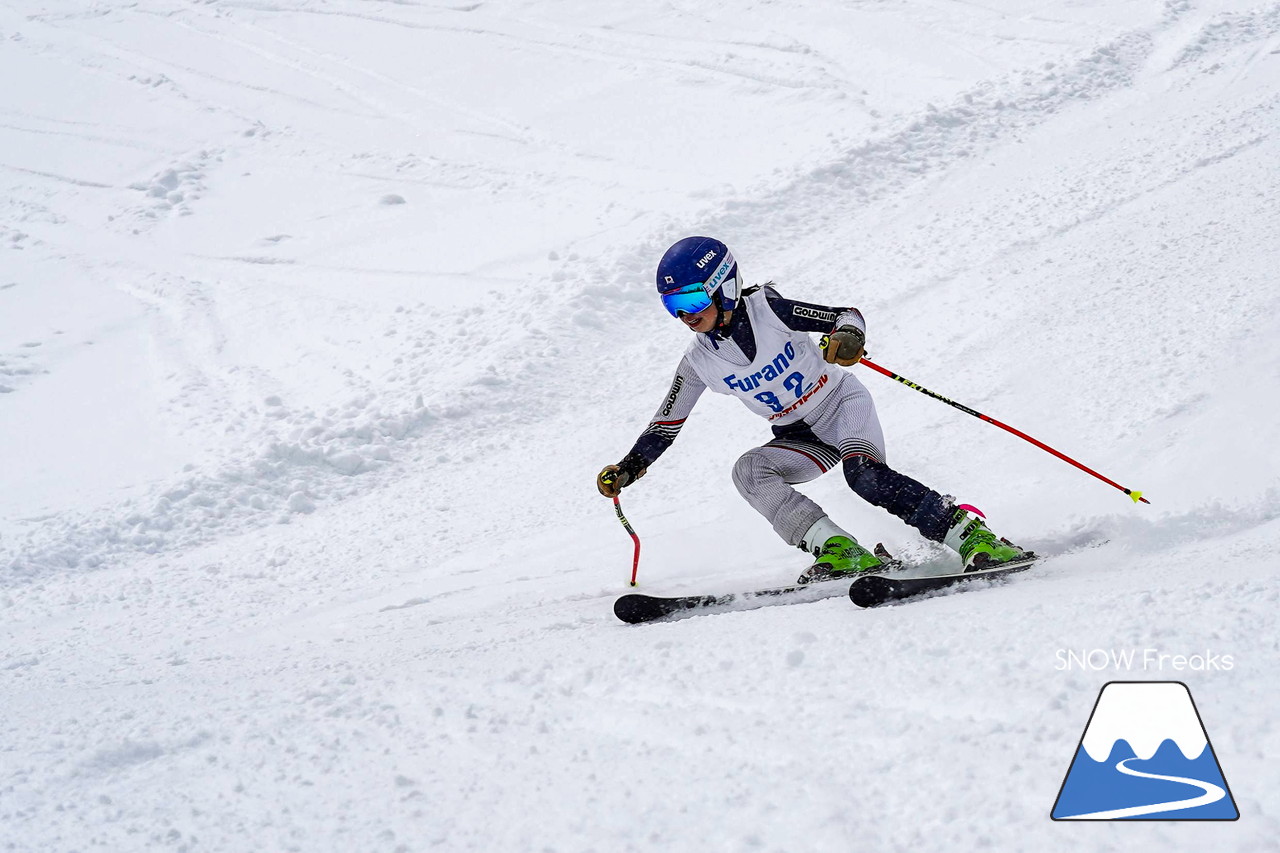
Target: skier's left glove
612 479
844 346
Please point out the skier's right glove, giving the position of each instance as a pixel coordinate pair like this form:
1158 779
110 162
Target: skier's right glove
844 346
612 479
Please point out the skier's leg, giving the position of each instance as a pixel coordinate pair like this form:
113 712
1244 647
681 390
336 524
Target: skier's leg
913 502
849 421
961 528
764 476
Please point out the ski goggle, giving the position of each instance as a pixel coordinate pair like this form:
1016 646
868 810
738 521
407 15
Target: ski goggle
689 299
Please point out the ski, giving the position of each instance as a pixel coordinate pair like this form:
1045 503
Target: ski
636 608
874 590
866 591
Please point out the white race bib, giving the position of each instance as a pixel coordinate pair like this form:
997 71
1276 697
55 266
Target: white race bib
788 377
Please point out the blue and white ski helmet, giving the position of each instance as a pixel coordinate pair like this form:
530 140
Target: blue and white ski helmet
695 273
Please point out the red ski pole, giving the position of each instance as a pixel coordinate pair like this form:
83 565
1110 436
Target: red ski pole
609 479
635 561
1135 496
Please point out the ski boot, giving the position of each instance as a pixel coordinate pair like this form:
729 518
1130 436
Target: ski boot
980 549
839 554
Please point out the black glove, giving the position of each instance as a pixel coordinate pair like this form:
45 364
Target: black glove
844 346
612 479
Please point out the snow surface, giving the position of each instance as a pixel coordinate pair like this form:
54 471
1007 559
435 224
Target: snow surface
318 317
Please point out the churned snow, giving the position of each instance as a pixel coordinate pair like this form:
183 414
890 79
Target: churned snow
318 318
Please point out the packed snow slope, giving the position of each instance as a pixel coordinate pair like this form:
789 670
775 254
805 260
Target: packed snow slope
318 318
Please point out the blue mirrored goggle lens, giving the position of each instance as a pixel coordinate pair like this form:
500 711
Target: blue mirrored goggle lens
687 300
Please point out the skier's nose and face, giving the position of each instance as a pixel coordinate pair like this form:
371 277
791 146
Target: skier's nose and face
703 321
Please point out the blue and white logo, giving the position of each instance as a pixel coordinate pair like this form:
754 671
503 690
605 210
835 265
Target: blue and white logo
1145 755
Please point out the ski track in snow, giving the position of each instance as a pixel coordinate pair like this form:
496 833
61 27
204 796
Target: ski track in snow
373 611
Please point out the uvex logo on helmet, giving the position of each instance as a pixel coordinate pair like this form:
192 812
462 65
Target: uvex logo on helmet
722 272
702 264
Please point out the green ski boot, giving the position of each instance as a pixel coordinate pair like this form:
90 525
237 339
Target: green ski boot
838 554
970 537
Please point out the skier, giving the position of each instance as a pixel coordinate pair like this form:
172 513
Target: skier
755 345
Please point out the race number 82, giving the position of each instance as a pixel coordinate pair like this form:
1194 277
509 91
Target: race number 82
793 383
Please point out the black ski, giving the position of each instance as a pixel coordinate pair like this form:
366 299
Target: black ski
874 590
635 608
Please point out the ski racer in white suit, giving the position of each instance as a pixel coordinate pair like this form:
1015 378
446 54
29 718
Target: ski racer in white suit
756 346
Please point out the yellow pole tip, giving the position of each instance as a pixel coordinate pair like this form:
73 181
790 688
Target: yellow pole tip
1137 496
